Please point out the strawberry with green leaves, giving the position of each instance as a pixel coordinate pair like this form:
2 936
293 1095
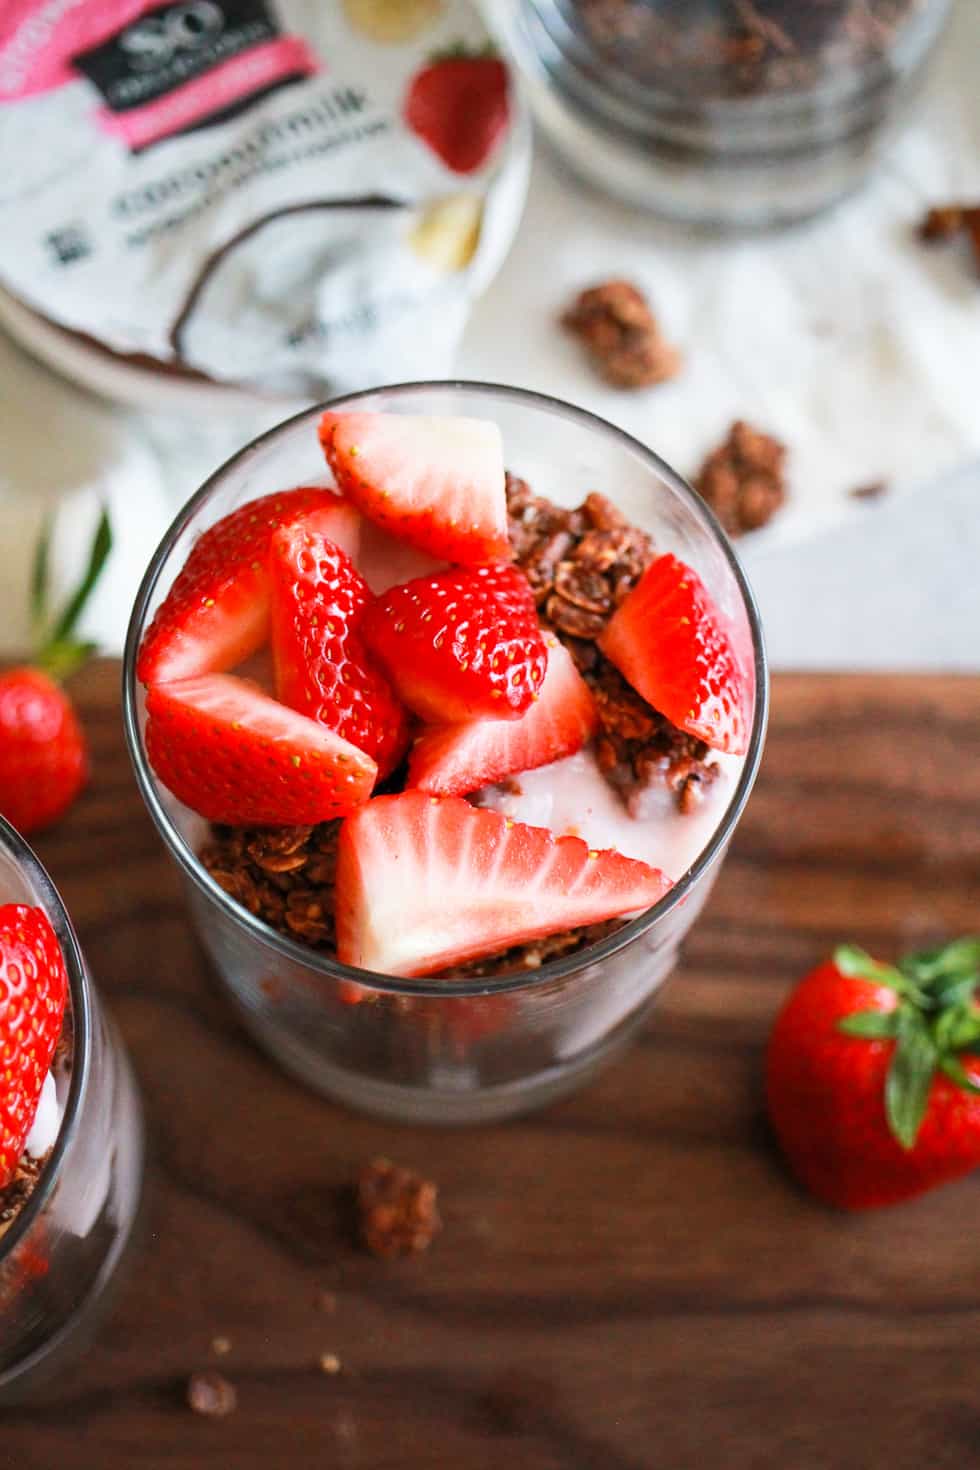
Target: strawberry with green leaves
43 753
873 1074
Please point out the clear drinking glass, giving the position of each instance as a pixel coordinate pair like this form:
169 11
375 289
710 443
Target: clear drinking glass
58 1256
435 1050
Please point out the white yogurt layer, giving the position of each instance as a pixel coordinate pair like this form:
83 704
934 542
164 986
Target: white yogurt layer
47 1121
572 796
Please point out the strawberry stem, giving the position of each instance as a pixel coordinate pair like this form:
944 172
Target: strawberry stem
60 653
937 1018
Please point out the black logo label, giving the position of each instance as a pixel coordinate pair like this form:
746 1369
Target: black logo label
171 45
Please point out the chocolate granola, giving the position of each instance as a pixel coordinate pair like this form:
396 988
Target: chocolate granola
620 333
581 564
730 48
743 480
945 221
396 1209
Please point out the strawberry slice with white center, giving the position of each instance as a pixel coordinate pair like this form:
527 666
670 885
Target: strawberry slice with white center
426 882
216 614
451 760
676 648
322 667
437 483
235 756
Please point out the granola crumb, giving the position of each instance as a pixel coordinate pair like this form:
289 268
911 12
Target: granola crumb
620 333
874 490
397 1209
211 1395
221 1346
329 1363
945 221
743 480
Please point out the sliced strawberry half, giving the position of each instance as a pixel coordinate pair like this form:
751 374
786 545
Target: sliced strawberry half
676 649
235 756
453 759
216 614
425 882
437 483
464 644
322 666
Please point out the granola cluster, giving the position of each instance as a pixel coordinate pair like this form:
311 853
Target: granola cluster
620 333
283 875
581 564
743 480
947 221
18 1191
397 1210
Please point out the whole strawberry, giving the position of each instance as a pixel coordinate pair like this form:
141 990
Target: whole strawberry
43 755
873 1074
459 106
33 991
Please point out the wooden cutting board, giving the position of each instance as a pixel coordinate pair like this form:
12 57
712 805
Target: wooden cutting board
627 1281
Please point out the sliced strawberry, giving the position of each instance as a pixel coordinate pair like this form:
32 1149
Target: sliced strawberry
454 759
234 755
437 483
384 561
217 612
322 667
676 649
425 882
33 992
462 645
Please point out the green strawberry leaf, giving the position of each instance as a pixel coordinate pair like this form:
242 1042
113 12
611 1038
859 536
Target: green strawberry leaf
945 964
957 1028
872 1025
40 577
956 1072
62 659
98 556
909 1078
857 964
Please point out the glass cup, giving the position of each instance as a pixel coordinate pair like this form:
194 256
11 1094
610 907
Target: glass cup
452 1051
59 1254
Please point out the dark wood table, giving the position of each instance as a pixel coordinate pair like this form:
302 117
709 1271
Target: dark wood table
627 1281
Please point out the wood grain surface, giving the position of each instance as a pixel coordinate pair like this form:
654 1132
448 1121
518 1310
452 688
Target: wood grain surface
627 1281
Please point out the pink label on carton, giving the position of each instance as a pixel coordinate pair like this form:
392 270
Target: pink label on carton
221 87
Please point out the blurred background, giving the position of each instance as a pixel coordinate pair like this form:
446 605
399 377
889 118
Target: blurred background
217 212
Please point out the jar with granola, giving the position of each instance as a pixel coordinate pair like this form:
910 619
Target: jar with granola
736 113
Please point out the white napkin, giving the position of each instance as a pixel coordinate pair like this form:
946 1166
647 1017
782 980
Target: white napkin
65 455
846 336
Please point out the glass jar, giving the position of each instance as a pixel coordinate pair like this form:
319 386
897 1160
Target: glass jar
734 113
451 1050
59 1254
